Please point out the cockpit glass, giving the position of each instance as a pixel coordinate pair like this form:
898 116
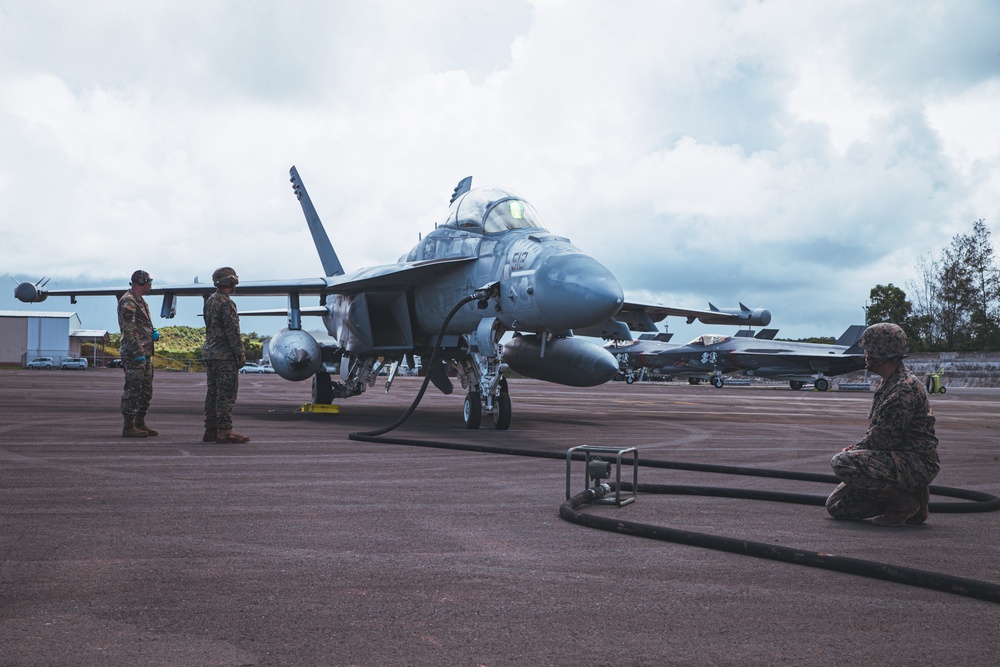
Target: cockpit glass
511 214
709 339
493 210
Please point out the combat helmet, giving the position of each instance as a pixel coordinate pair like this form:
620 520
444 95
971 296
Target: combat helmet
884 340
225 277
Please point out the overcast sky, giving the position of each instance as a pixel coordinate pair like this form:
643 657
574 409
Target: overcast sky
784 154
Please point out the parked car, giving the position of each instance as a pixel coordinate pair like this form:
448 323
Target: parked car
267 368
252 367
115 363
41 363
73 363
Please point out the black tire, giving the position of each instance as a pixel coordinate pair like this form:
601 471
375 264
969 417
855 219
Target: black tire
822 384
501 417
717 382
796 384
472 411
694 380
322 389
943 389
629 379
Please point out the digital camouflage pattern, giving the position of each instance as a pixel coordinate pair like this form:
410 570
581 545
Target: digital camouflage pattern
137 341
884 341
224 355
899 451
220 399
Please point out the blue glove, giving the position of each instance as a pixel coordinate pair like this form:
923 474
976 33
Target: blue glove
142 358
156 334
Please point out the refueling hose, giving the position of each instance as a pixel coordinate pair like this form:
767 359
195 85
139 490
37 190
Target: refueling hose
981 502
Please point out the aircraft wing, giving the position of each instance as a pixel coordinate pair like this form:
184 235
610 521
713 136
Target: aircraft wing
642 314
387 277
643 317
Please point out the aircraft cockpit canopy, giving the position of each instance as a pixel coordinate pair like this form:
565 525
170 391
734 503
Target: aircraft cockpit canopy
492 210
709 339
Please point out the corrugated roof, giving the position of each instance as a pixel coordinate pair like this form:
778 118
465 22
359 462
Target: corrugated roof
35 313
88 333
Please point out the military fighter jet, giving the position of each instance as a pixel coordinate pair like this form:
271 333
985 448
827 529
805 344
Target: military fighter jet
709 356
492 244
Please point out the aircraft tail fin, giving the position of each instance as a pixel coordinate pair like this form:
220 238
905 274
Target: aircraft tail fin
327 255
851 337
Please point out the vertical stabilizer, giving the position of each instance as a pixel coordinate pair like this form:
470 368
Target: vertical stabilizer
327 255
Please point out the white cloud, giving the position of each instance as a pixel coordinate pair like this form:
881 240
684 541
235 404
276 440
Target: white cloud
781 153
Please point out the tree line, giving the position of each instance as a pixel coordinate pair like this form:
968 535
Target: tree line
953 302
186 343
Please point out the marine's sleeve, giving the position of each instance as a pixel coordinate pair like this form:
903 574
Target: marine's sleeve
232 330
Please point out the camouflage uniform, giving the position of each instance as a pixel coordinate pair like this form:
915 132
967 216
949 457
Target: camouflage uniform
224 355
899 451
137 342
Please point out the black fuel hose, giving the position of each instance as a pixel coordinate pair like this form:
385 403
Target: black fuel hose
981 502
973 588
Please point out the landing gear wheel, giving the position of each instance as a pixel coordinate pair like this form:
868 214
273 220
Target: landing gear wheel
472 413
822 384
942 390
629 378
501 415
694 380
796 384
717 382
322 389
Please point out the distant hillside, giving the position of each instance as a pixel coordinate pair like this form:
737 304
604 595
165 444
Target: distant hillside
187 343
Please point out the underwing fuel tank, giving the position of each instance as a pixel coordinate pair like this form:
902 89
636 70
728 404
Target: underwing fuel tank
295 354
570 361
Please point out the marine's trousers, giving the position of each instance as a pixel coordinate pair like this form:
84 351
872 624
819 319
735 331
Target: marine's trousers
138 390
867 479
223 383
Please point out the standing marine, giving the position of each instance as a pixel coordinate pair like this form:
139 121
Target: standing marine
136 352
224 355
886 475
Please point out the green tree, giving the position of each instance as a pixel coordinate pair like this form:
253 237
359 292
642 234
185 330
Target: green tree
888 304
980 262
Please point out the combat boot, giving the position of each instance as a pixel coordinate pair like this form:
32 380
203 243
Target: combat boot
901 507
226 436
210 435
923 496
130 431
140 423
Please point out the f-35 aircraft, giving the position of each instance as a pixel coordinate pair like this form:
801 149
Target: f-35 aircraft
709 356
492 244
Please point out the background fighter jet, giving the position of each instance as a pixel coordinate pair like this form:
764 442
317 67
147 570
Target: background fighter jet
709 356
492 244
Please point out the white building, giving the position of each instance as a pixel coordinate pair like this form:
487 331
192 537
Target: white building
25 335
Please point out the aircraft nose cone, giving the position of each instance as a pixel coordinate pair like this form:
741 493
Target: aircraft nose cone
574 290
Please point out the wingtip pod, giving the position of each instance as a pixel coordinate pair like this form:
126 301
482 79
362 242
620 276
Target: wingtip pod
30 293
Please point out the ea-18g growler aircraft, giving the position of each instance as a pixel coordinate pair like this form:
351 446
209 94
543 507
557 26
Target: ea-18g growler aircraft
527 281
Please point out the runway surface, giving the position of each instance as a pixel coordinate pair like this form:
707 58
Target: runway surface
306 548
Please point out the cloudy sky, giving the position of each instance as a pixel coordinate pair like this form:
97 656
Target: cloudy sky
784 154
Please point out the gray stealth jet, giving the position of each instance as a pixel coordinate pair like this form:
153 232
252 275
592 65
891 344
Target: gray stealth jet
492 244
709 356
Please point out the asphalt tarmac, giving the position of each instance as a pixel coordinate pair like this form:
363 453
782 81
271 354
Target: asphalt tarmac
306 548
